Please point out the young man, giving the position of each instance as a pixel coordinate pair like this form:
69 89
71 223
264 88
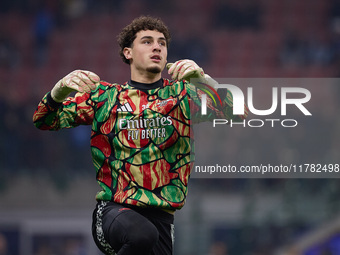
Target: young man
140 141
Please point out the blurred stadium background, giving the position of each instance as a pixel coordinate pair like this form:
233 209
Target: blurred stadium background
47 182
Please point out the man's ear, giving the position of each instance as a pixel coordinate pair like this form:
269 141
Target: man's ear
127 53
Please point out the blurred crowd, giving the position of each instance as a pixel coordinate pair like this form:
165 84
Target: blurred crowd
41 41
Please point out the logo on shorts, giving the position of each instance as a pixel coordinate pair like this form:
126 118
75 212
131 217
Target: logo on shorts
123 209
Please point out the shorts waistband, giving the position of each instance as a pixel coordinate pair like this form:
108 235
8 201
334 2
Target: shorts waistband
151 212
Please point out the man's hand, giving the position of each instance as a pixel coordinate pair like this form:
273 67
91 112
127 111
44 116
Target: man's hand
78 80
187 69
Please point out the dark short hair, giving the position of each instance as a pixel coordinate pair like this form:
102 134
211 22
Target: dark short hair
128 34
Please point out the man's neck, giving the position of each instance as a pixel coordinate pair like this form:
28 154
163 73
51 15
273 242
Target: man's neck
146 77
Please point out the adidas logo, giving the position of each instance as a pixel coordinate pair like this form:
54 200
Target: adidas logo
125 108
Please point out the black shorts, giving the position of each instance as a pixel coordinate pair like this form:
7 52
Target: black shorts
126 230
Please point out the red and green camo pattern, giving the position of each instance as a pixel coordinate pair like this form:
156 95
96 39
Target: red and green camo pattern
141 140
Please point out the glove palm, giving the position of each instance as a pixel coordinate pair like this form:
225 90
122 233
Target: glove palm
78 80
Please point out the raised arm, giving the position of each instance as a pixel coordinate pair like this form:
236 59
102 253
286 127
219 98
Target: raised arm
222 108
56 110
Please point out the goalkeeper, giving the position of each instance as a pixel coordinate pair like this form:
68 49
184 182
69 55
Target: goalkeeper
141 137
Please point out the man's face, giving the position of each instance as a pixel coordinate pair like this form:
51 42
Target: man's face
148 52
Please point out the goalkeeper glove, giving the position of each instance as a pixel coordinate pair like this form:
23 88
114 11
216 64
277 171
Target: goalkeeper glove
186 70
78 80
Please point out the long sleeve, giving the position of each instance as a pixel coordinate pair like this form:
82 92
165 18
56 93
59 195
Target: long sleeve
216 107
74 111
